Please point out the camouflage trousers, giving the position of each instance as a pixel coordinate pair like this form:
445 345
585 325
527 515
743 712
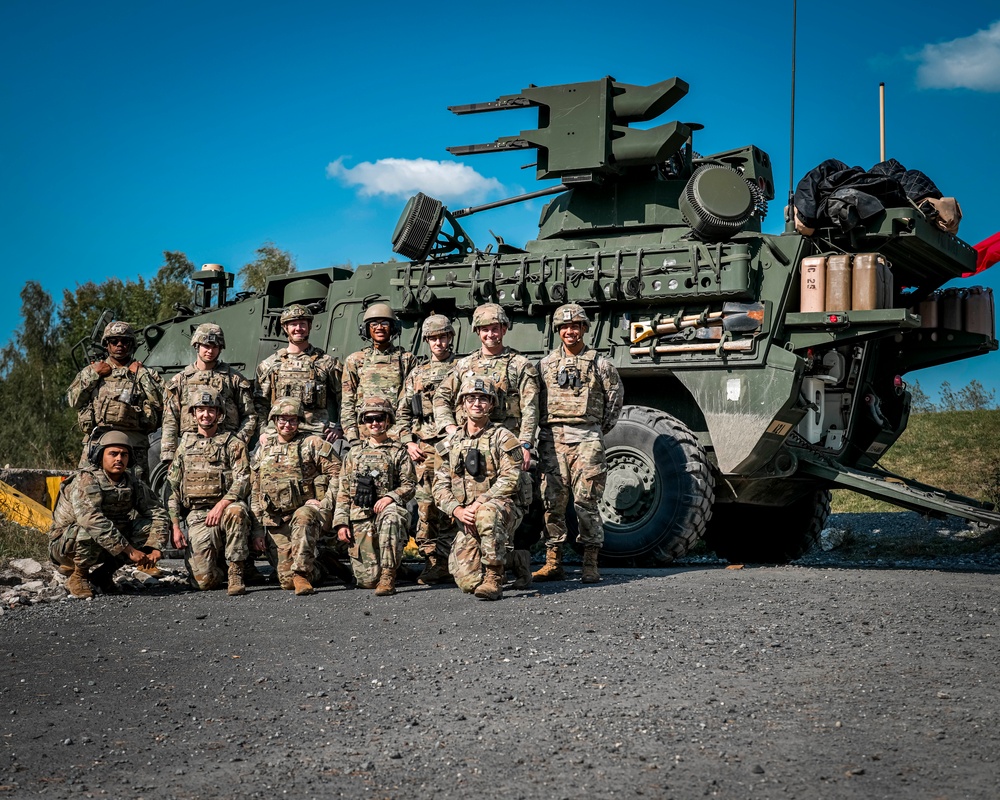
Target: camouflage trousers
295 541
74 547
378 544
572 459
486 546
435 530
210 547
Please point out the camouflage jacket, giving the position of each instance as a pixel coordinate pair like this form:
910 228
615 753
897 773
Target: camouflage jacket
415 415
108 511
496 477
312 376
284 475
371 372
207 470
123 401
584 389
387 465
516 379
234 390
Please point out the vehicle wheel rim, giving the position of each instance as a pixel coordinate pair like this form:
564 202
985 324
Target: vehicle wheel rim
632 490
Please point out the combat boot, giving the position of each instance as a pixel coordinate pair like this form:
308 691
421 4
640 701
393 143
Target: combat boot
236 584
152 571
590 573
386 583
302 584
78 585
435 571
520 562
492 586
552 571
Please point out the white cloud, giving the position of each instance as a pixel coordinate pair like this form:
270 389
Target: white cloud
969 63
402 177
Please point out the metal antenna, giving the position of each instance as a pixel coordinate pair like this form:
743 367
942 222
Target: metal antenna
791 143
881 120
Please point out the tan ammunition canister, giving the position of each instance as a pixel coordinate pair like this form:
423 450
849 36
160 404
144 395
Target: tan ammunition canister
980 313
864 283
929 311
952 301
838 283
813 284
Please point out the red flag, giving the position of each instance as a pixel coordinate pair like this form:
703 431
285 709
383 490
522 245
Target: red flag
988 254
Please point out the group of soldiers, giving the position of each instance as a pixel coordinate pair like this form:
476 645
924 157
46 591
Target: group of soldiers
341 450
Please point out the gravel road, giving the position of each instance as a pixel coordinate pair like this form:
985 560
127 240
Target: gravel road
816 680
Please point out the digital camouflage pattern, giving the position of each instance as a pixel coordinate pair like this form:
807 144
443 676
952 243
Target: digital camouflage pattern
284 476
378 541
117 329
415 423
495 483
296 311
581 401
95 520
311 376
240 414
371 372
204 471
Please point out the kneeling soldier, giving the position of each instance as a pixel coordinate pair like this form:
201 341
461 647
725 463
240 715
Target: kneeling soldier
376 482
477 484
290 477
105 517
210 479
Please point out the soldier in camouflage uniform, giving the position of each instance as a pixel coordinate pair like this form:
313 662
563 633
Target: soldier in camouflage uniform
376 482
581 401
301 371
210 479
477 483
105 517
379 370
118 394
420 433
516 381
290 477
239 415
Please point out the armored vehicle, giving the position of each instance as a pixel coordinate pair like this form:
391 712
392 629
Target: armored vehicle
757 375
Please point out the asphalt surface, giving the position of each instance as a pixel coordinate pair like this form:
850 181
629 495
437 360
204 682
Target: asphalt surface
802 682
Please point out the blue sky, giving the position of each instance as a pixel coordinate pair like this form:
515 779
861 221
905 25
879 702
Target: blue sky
209 127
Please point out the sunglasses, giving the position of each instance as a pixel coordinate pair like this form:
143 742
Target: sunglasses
374 418
116 341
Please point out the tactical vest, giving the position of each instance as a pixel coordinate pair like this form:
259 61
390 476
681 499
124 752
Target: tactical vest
467 484
426 379
381 374
206 477
190 387
507 411
298 376
282 483
118 400
376 464
574 393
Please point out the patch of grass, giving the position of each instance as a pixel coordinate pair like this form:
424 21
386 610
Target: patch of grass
953 450
19 542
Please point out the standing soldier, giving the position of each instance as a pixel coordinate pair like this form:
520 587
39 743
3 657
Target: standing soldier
581 400
301 371
420 433
105 517
477 483
377 480
290 476
377 370
118 394
210 479
516 382
238 414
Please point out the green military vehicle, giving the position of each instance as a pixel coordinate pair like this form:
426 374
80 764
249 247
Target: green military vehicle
748 394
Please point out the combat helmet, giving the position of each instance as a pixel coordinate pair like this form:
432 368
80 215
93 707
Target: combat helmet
205 397
109 439
376 405
296 311
117 330
209 333
379 311
285 407
435 325
570 312
477 384
489 314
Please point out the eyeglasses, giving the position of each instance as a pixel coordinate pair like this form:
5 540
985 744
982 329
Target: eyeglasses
116 341
286 420
373 418
380 323
479 399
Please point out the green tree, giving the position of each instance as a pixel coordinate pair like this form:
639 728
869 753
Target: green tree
270 260
920 403
974 397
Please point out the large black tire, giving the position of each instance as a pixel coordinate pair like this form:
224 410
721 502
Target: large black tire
660 489
749 534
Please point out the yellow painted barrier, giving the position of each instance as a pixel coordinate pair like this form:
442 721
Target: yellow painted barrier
22 509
